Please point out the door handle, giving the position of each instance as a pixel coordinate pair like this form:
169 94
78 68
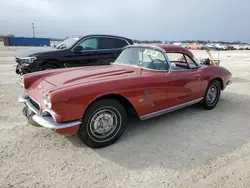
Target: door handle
197 76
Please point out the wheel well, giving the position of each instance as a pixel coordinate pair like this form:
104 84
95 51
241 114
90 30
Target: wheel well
221 82
51 62
125 102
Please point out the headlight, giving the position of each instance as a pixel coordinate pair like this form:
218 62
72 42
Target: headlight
46 100
28 60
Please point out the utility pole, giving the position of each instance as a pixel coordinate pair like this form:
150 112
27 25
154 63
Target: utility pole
33 28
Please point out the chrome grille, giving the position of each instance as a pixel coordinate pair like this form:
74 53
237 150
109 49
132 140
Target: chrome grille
34 103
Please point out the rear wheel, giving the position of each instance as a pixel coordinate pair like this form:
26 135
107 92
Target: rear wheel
103 123
212 95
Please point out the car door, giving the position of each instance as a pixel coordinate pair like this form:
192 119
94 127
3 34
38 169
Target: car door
109 49
83 54
156 85
183 83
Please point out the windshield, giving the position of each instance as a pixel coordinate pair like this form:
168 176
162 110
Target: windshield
67 43
143 57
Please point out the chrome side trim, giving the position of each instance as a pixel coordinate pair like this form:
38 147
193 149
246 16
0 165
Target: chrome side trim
49 122
24 99
171 109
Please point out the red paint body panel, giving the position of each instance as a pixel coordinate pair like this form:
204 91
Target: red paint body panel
72 90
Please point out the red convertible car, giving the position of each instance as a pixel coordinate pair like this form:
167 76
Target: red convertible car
96 101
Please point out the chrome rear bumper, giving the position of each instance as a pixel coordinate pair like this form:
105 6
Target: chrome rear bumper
45 121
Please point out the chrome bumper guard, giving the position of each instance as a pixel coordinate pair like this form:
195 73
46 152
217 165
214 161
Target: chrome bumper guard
45 121
49 122
229 82
25 99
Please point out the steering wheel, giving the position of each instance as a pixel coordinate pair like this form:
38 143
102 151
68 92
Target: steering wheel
159 64
157 60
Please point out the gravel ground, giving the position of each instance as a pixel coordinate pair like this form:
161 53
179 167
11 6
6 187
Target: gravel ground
187 148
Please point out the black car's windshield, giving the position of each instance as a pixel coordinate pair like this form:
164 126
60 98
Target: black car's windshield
143 57
67 43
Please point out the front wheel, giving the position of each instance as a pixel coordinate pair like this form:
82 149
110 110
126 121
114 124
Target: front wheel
103 123
212 95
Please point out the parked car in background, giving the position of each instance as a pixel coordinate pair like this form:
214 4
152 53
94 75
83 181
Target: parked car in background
145 80
236 47
231 47
209 46
72 52
177 43
201 46
246 47
221 46
225 46
193 46
241 47
184 45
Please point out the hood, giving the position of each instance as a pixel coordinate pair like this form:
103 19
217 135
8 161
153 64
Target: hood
71 76
33 51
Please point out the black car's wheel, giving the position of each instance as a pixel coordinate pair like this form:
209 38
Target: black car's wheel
47 67
212 95
103 123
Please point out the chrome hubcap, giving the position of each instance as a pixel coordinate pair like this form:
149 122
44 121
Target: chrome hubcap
103 123
212 94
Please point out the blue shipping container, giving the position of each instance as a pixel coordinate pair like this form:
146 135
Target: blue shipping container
23 41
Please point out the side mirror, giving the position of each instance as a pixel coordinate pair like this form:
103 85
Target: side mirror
172 65
78 49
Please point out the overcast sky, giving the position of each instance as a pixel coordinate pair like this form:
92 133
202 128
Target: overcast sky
137 19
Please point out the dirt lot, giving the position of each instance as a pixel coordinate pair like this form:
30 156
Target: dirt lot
188 148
